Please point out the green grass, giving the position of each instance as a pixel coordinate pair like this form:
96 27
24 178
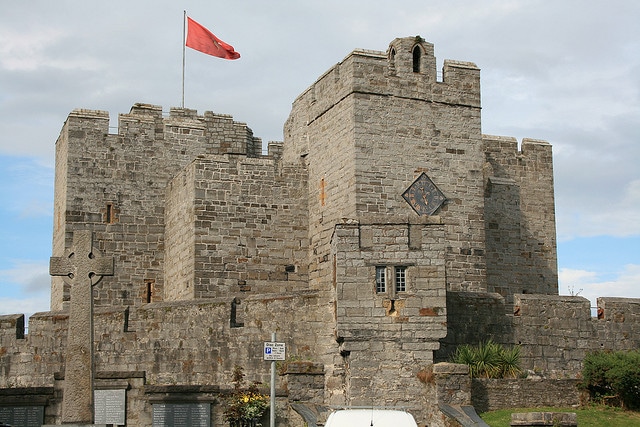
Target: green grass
588 416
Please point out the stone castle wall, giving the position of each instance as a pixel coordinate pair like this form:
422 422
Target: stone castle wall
216 245
390 124
236 223
387 337
519 217
493 394
172 347
114 184
554 332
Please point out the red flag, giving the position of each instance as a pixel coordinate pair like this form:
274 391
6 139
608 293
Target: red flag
203 40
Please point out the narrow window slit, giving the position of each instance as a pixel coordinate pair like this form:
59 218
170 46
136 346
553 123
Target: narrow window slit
416 59
109 214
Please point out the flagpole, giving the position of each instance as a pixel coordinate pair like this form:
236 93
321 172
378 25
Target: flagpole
184 41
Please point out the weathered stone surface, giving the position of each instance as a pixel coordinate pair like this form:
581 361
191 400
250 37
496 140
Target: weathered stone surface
217 245
493 394
81 268
531 419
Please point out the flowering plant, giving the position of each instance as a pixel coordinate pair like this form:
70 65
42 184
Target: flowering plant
245 407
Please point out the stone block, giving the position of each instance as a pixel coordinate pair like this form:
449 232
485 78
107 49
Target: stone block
555 419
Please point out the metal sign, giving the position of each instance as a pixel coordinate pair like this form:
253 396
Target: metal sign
274 351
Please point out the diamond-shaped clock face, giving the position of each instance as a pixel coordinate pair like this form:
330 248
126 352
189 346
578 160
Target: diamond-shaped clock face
423 196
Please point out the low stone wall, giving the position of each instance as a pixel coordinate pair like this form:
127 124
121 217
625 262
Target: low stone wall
554 419
554 332
492 394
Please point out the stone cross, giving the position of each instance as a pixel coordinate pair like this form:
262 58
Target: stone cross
81 268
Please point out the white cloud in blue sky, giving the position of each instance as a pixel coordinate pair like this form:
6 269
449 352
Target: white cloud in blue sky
567 72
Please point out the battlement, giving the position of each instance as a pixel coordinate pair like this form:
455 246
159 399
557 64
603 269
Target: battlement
519 216
407 70
109 181
11 325
219 131
554 332
501 147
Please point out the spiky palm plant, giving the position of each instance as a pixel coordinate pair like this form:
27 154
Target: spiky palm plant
510 362
489 360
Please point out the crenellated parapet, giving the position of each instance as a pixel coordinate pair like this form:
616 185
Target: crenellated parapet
114 183
407 70
382 233
554 332
219 133
519 216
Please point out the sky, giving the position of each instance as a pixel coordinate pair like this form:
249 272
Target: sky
563 71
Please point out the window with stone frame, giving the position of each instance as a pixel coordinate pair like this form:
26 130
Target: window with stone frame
394 283
381 279
401 278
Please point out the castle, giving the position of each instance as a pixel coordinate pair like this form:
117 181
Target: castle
382 232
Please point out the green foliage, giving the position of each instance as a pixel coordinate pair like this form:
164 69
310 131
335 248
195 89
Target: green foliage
245 407
588 416
510 362
613 376
489 360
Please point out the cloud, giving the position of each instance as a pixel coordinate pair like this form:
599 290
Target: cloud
600 212
591 284
29 292
29 276
22 51
30 194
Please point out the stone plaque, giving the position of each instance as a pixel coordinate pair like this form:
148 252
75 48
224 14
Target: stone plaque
181 415
110 406
22 416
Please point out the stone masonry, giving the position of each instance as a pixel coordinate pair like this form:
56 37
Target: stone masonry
383 231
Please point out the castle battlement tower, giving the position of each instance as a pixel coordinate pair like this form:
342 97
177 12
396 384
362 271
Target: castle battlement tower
384 210
115 185
392 122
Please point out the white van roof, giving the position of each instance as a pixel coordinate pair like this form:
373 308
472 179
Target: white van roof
370 418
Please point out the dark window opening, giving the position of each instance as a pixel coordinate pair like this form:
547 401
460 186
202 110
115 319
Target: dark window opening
234 322
416 59
392 308
109 214
149 290
392 60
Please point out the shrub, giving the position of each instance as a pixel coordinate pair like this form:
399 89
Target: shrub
245 407
608 376
489 360
510 362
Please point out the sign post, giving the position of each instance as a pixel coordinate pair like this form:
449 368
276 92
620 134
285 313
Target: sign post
273 351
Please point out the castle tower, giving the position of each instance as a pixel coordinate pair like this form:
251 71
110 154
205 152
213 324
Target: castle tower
395 204
115 185
360 239
390 121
